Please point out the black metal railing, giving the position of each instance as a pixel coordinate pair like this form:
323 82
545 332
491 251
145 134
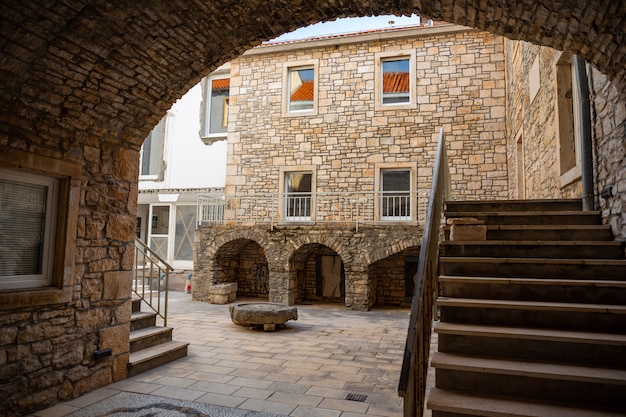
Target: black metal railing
412 385
151 279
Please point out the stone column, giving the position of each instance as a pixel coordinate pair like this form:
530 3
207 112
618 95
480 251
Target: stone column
282 288
358 291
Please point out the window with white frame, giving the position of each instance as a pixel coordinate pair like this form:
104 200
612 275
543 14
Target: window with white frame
216 101
395 85
396 201
298 196
152 153
28 213
568 106
300 86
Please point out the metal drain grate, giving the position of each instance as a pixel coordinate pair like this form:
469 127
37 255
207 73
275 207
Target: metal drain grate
356 397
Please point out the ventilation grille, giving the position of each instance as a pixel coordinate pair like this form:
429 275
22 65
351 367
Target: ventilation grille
356 397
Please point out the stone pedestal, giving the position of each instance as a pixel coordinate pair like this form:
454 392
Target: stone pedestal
269 316
223 293
467 229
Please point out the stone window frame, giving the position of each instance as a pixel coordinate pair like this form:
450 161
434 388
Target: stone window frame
378 171
69 176
283 171
287 68
205 107
379 58
568 130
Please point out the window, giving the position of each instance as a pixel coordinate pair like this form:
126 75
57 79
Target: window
298 188
568 105
395 80
300 89
28 209
216 100
396 201
44 193
152 150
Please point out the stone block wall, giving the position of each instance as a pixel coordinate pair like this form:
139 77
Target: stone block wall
460 86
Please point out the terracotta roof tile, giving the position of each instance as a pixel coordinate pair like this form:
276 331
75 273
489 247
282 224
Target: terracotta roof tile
220 83
396 82
304 92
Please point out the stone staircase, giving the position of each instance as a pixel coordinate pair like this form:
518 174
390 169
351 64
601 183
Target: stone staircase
533 319
150 345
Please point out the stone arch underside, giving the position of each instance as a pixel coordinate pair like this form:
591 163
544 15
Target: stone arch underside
98 72
317 273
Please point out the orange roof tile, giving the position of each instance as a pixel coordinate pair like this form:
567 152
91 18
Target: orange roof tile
304 92
220 83
396 82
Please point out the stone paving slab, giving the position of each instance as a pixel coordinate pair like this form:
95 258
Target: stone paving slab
306 369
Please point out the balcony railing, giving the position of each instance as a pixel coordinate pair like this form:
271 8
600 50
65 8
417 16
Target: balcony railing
341 207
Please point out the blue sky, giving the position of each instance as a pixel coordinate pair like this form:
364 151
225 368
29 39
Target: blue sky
347 25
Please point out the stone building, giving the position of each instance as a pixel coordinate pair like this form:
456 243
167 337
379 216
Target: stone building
83 84
334 139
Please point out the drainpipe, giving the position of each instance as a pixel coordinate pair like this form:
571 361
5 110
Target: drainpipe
586 152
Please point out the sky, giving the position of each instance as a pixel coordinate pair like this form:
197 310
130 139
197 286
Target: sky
196 165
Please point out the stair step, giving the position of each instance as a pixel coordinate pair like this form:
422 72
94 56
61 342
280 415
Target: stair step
154 356
533 217
514 205
532 249
561 346
141 320
462 403
569 316
531 379
148 337
606 269
537 289
546 232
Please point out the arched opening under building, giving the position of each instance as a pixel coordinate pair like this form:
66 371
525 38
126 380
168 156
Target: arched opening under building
393 277
243 261
319 274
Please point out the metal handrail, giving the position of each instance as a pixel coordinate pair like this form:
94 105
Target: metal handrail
412 384
153 273
320 207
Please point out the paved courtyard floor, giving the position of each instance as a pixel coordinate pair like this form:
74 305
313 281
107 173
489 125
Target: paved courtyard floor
307 369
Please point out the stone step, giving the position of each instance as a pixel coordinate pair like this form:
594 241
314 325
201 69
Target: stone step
603 269
513 205
532 217
154 356
445 403
141 320
546 232
514 313
555 289
150 336
561 346
533 249
574 384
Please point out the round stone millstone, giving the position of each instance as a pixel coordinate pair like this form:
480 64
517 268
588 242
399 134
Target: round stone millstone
268 315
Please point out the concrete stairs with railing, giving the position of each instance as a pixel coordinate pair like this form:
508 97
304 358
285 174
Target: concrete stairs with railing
533 319
150 345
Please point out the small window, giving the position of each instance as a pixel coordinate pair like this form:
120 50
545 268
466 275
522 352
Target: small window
216 101
396 201
395 81
298 196
301 89
151 158
28 211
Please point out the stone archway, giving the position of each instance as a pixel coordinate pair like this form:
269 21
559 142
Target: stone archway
84 82
318 274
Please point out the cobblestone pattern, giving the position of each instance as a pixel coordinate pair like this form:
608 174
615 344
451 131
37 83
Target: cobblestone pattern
460 87
285 244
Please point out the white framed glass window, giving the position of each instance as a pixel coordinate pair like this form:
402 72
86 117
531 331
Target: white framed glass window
396 201
300 88
152 153
395 80
28 213
298 196
215 106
